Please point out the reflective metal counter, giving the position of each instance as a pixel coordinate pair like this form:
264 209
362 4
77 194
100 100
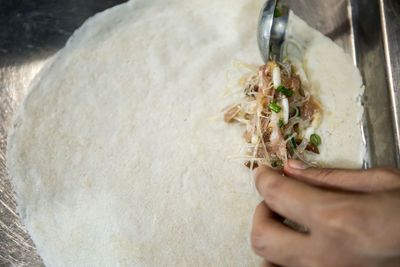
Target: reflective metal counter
32 31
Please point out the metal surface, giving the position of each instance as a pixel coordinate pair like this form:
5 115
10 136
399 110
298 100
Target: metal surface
390 14
265 23
31 31
271 30
379 113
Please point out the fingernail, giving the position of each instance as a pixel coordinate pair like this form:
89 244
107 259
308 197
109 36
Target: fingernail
297 164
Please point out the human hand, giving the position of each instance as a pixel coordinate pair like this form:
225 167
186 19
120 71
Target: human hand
353 217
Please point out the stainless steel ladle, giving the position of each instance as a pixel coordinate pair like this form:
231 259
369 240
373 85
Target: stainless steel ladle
271 31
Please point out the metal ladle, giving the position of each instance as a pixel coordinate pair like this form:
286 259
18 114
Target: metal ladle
271 31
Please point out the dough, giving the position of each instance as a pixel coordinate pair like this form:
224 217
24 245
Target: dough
113 156
336 83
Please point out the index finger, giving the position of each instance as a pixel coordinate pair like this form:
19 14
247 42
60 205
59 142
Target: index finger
378 179
287 197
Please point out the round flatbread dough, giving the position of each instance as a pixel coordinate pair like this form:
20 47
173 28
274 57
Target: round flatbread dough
113 157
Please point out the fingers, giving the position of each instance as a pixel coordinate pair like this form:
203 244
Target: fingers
287 197
354 180
268 264
275 242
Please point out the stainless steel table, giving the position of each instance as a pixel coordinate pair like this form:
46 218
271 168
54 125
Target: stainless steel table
32 31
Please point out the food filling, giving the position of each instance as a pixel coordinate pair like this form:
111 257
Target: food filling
280 116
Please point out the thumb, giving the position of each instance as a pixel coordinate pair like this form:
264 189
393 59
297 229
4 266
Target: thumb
377 179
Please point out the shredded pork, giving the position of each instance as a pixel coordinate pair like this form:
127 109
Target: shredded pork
278 113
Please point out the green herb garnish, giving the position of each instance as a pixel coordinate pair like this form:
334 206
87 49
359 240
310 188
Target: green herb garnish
294 111
280 124
277 163
315 139
277 13
285 91
298 111
274 107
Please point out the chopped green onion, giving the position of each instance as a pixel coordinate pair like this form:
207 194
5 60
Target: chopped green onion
277 163
315 139
274 107
294 111
280 123
285 91
293 143
277 13
298 111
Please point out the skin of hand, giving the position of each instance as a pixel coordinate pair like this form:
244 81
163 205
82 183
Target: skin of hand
353 217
